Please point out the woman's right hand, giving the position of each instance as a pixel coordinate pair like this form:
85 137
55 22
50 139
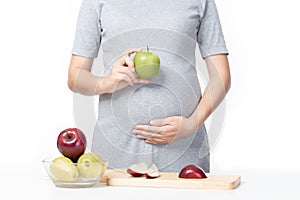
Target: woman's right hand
121 74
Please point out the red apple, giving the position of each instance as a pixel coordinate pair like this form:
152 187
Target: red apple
71 142
192 171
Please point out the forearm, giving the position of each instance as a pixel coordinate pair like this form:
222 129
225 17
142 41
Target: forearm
84 82
81 80
216 89
209 101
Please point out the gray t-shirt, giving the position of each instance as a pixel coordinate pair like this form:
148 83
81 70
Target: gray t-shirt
172 29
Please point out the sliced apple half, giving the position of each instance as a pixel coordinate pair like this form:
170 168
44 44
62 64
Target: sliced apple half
138 169
152 172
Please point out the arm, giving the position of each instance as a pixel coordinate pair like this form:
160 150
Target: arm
81 80
164 131
216 89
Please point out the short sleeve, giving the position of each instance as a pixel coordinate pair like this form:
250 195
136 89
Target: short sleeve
88 30
210 36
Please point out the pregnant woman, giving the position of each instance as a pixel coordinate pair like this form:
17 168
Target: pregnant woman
160 120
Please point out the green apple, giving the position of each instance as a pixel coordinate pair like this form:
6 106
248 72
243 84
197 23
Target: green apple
63 169
90 165
146 64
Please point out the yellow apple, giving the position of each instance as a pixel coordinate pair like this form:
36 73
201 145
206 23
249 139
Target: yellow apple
63 169
90 165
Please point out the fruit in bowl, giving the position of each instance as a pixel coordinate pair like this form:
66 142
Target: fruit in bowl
64 173
146 64
90 165
63 169
75 168
71 143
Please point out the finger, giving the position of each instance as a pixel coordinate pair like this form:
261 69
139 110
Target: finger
159 122
139 80
131 51
155 141
122 61
129 63
125 61
150 129
125 70
144 135
126 78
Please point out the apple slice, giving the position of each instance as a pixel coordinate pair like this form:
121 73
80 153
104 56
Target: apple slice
138 169
192 171
152 172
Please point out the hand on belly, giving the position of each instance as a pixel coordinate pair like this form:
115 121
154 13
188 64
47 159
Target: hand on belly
166 130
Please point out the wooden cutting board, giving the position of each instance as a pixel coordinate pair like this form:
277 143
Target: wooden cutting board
171 180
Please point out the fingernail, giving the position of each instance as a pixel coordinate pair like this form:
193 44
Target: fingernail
151 122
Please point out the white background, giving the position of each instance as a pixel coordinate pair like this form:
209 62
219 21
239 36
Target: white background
261 131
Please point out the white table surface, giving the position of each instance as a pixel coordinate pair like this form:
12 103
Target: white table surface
254 185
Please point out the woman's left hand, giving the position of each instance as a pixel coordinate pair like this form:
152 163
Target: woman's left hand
165 131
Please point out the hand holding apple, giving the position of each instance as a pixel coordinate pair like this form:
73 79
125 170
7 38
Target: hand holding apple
121 74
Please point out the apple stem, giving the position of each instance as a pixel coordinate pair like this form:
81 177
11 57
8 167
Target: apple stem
147 48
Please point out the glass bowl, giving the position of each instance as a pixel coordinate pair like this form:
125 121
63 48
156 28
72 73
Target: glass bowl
72 175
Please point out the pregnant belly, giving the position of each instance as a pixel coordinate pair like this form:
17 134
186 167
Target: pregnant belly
152 101
121 111
141 104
